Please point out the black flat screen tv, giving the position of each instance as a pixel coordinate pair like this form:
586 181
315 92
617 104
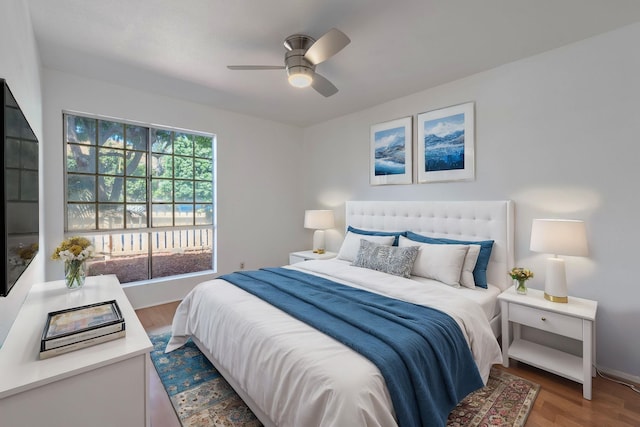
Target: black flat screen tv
20 191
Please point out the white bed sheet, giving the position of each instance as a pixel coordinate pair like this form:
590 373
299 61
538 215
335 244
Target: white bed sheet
487 299
299 376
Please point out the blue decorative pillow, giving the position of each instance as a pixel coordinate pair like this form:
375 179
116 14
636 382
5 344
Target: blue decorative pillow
388 259
397 234
480 270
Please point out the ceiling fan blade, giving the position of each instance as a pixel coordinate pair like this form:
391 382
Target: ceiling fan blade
255 67
323 86
332 42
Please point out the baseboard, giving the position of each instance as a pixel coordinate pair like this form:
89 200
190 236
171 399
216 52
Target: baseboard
619 375
163 290
157 303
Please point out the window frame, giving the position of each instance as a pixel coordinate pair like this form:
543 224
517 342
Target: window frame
148 228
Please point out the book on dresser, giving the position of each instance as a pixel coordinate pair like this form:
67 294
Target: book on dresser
79 327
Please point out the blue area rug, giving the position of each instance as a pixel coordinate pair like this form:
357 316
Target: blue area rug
198 393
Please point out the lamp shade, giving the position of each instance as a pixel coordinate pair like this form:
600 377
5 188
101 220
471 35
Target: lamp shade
559 237
318 219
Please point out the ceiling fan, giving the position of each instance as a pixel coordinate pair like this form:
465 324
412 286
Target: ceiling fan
302 56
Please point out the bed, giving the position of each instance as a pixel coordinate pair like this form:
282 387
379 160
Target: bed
290 374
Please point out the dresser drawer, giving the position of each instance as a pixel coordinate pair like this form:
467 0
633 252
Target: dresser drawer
547 321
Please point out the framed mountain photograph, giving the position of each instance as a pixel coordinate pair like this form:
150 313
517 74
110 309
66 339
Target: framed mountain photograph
391 149
446 144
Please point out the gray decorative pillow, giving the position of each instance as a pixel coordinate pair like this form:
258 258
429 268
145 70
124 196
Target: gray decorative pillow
388 259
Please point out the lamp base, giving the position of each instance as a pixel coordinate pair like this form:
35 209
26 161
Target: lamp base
318 242
555 299
555 285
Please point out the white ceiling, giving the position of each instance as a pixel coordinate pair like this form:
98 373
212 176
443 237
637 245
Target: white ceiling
181 48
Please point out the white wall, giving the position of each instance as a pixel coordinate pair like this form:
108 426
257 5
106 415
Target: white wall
20 67
558 134
257 192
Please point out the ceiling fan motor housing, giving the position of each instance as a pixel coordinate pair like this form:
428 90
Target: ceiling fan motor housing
296 63
298 41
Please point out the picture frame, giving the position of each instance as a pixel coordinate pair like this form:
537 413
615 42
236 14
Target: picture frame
391 152
80 327
77 321
446 144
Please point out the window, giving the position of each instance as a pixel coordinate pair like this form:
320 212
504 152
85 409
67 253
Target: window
144 195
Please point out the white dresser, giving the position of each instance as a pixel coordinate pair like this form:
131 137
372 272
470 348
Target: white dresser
575 319
102 385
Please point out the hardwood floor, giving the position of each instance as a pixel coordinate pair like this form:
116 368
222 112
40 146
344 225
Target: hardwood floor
559 402
156 319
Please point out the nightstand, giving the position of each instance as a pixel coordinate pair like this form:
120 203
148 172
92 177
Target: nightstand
308 255
575 319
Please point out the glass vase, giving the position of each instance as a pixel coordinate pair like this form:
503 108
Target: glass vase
521 287
75 273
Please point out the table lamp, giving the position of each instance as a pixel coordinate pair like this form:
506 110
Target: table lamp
558 237
318 220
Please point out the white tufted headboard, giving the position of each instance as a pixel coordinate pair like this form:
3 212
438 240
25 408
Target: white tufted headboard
468 220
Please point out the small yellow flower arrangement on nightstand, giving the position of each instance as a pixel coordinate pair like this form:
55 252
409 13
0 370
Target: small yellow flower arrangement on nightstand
521 275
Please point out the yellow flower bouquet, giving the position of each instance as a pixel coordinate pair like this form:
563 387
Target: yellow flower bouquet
74 251
521 275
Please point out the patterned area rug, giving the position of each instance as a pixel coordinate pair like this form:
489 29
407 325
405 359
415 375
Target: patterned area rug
201 397
199 394
505 401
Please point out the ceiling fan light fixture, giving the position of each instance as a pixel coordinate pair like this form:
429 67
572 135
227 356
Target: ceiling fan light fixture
300 76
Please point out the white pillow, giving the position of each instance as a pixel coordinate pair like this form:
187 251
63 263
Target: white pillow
466 277
351 244
439 262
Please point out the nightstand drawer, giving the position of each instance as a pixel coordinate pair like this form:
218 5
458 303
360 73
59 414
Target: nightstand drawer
547 321
296 258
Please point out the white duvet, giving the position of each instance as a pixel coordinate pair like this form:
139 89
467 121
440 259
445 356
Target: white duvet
298 376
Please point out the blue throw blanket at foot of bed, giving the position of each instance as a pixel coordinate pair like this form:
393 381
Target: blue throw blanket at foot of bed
420 351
